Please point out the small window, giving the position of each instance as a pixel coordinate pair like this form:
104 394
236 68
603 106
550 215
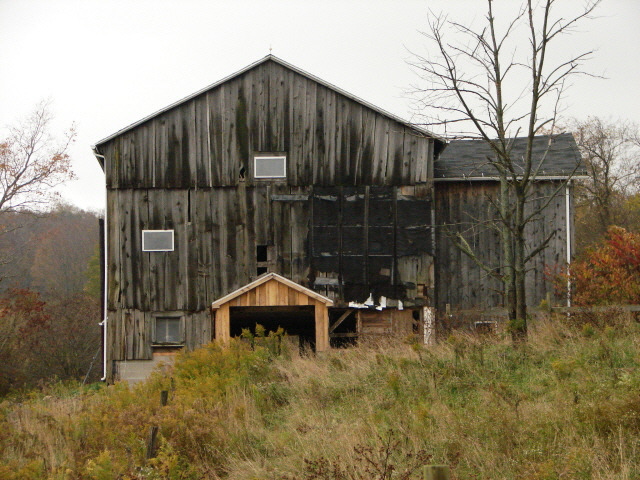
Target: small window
270 167
261 253
157 240
168 331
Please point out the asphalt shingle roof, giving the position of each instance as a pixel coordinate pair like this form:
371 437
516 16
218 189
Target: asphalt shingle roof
469 158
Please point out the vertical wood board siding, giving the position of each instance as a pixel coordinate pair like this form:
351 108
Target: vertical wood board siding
329 139
464 207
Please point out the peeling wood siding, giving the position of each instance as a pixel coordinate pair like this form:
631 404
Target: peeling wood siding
464 207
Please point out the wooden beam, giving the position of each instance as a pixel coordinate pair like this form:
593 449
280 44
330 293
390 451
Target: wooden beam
340 320
322 326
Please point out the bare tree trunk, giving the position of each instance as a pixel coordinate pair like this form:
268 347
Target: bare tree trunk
507 251
519 323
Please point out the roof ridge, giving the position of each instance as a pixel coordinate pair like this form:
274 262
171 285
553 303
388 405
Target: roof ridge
270 57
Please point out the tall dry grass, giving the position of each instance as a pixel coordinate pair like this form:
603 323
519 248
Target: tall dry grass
564 405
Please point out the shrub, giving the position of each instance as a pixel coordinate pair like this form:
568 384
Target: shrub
609 273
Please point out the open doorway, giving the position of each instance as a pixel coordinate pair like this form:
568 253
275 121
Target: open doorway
297 321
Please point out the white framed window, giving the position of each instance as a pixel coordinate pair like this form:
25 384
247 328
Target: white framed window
168 330
269 166
157 240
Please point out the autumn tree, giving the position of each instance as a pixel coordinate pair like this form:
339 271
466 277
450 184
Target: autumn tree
32 164
23 323
40 341
609 272
71 349
498 81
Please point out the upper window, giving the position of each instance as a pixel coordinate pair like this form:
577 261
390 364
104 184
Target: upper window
270 167
157 240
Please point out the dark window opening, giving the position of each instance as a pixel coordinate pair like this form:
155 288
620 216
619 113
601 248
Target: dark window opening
261 270
262 253
242 173
415 314
189 206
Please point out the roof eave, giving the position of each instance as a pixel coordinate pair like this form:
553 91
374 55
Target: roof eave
495 179
264 279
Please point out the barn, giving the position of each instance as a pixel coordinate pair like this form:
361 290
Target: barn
465 185
274 197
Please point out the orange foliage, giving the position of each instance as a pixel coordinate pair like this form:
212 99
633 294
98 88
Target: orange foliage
609 273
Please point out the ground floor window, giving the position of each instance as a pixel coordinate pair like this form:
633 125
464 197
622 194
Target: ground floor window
168 330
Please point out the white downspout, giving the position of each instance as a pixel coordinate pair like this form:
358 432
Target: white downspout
568 220
106 283
103 323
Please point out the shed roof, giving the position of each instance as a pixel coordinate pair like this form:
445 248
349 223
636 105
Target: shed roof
266 278
557 155
281 62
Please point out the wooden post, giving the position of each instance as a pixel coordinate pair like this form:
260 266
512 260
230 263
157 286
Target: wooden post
436 472
152 440
152 443
429 324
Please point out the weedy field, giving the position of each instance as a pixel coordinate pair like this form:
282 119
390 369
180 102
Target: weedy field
565 405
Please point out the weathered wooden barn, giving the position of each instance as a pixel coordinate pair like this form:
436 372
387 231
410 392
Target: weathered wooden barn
274 197
465 181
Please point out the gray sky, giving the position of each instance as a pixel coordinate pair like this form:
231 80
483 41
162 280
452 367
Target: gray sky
105 64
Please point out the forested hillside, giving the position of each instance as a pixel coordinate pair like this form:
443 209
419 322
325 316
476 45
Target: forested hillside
49 303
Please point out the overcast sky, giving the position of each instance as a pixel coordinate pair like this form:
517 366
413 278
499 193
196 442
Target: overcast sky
105 64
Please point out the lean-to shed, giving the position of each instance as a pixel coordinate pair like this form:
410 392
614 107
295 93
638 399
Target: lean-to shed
466 187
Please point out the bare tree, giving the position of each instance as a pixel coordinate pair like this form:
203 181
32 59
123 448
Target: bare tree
486 80
32 164
611 154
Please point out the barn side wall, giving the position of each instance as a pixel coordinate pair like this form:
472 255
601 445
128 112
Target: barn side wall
344 242
465 207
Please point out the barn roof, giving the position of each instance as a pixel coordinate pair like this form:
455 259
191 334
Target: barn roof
289 66
557 155
266 278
